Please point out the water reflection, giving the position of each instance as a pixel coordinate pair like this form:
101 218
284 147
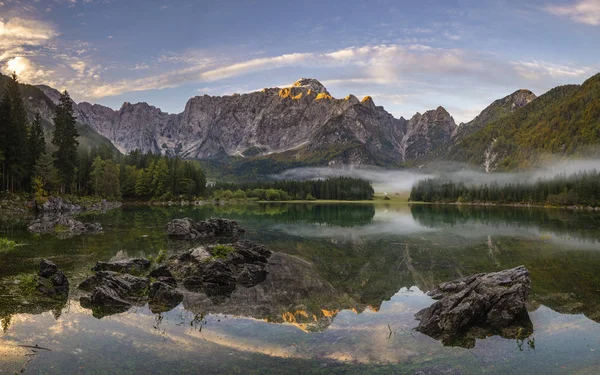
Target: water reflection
343 288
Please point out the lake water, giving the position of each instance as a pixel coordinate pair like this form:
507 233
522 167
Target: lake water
349 279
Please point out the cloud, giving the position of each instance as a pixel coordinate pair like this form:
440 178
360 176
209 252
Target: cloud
582 11
25 69
535 70
18 32
383 64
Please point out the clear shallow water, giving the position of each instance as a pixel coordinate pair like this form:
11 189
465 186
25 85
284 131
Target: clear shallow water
340 298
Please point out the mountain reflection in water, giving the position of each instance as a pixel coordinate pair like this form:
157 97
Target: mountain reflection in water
343 287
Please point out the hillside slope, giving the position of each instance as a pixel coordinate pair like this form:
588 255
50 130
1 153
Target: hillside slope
565 121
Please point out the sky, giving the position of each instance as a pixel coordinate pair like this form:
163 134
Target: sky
409 56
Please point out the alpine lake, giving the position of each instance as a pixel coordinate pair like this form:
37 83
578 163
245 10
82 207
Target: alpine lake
341 298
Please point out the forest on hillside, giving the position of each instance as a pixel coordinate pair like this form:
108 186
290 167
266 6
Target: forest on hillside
563 121
578 189
30 164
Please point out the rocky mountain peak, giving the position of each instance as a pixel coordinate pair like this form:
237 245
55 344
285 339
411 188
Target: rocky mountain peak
312 84
520 98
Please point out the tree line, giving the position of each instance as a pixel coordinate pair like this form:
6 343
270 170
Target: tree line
25 160
28 164
338 188
578 189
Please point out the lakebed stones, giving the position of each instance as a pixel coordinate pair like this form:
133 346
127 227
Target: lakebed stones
188 229
478 305
51 281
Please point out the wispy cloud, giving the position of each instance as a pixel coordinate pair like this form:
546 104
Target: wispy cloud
582 11
19 32
535 70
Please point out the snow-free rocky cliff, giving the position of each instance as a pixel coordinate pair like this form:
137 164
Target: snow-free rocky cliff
304 118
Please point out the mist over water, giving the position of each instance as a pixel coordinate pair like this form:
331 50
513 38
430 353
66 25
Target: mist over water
398 180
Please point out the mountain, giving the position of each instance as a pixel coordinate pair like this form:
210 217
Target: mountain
493 112
564 121
302 123
265 132
42 100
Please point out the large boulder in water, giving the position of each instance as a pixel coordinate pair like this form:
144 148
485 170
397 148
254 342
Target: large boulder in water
188 229
478 305
51 281
216 270
113 292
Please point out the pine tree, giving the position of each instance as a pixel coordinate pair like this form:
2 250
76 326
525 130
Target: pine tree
159 178
47 172
36 141
13 134
65 139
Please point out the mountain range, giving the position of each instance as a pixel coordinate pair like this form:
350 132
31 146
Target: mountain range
277 128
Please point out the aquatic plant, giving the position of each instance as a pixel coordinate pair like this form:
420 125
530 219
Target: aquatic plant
221 251
5 243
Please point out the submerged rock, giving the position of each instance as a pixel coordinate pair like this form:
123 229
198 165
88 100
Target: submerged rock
51 281
478 305
128 266
188 229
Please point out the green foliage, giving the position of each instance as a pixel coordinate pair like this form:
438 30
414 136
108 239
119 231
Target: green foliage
6 243
563 121
36 141
221 251
39 193
339 188
580 189
46 172
65 139
105 178
162 254
13 136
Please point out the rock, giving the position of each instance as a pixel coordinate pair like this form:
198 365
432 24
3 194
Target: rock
200 254
251 275
188 229
163 274
216 277
130 265
113 292
250 252
477 305
51 281
59 205
163 297
62 226
47 268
